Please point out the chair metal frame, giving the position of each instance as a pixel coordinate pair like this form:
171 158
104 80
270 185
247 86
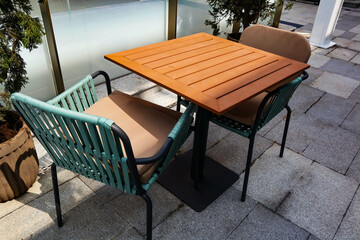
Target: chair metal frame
91 146
272 104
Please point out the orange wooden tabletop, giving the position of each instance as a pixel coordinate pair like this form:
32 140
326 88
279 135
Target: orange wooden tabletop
214 73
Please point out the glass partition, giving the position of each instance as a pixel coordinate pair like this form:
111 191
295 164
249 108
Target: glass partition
38 67
85 31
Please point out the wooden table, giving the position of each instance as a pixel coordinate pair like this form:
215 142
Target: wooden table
217 75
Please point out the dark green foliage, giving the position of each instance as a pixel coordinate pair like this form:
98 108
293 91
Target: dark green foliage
240 13
17 30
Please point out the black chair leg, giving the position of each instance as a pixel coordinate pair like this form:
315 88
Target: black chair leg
148 216
285 130
56 195
178 103
247 169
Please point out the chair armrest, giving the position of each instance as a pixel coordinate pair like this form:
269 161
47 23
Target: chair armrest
107 79
159 156
304 75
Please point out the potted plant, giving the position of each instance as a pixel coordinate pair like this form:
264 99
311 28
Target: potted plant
18 159
240 14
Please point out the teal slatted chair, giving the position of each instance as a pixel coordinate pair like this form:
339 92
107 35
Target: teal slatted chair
252 115
120 140
249 117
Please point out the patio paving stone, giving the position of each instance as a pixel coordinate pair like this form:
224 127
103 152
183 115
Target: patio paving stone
336 84
131 84
261 223
334 148
349 228
346 25
355 46
41 212
355 72
355 13
319 201
101 90
317 60
342 53
273 122
217 221
342 42
354 169
356 38
133 208
332 109
312 237
337 32
304 97
89 220
42 186
338 66
314 73
232 151
356 59
104 193
324 51
349 17
215 134
44 158
355 96
303 129
308 26
356 29
158 95
313 47
272 177
352 121
348 34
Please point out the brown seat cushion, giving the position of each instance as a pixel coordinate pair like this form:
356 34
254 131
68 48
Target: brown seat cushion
284 43
146 124
246 112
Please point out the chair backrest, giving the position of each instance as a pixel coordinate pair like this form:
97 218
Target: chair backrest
284 43
84 143
275 102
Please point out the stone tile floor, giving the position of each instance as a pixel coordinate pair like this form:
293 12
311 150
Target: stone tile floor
310 193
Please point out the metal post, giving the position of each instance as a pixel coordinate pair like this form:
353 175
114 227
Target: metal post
325 22
172 19
50 37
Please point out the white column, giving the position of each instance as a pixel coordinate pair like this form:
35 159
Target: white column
325 22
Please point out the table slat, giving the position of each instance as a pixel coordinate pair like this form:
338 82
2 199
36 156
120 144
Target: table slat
239 82
187 55
196 59
217 69
238 71
167 48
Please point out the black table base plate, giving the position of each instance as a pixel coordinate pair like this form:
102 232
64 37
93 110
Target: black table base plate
176 179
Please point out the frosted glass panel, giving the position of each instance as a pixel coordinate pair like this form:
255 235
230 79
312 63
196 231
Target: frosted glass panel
85 31
191 17
41 83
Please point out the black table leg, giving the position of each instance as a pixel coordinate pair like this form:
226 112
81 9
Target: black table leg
193 177
199 145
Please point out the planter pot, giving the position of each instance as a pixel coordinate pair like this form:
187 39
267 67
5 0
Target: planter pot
235 37
19 165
